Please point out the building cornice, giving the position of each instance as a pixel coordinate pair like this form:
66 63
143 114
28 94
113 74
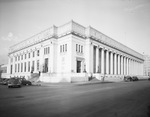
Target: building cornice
78 30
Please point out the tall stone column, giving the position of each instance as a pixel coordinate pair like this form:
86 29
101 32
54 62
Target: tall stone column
107 62
41 58
127 66
118 64
88 56
9 64
131 67
111 57
135 68
138 68
122 65
97 59
102 61
115 64
124 60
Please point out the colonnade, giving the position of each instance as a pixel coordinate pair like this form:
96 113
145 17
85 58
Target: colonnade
109 62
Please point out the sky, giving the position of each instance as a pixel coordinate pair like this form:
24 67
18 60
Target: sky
126 21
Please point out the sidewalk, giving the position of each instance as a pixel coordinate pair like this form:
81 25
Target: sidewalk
73 84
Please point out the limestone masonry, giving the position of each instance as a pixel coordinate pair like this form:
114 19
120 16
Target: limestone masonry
72 52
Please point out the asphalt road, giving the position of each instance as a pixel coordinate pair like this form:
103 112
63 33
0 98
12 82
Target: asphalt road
131 99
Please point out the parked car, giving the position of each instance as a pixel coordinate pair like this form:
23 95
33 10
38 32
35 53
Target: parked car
25 82
14 82
1 80
149 78
127 78
135 78
5 81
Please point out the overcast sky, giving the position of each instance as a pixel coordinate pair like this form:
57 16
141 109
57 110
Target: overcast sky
127 21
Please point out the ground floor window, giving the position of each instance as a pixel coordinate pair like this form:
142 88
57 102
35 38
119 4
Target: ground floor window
11 69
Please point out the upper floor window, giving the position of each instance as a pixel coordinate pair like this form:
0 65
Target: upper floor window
76 47
25 56
33 54
24 66
37 64
66 47
79 48
47 50
18 58
38 52
63 48
29 55
60 48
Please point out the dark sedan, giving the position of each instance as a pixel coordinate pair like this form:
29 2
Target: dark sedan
14 82
25 82
128 78
135 78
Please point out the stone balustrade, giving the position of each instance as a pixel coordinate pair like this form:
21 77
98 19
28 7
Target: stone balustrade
73 27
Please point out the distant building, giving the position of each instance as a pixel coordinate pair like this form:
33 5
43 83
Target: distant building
3 71
72 52
147 65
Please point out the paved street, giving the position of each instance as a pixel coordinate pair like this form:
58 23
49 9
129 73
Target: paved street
124 99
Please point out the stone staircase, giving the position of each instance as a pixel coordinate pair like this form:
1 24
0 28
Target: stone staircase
34 78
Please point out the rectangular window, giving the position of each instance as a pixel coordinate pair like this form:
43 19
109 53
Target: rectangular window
32 66
24 66
15 67
48 50
29 66
25 56
33 54
37 64
21 57
76 47
46 65
63 48
66 47
21 66
38 52
29 55
60 48
18 67
11 68
81 49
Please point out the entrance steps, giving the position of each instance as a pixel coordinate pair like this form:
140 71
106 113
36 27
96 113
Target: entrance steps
34 78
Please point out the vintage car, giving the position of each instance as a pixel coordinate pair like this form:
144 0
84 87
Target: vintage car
14 82
25 82
127 78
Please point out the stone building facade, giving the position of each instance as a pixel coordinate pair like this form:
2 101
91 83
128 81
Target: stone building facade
146 65
72 52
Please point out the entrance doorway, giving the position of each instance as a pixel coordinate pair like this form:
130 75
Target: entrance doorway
78 66
46 65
